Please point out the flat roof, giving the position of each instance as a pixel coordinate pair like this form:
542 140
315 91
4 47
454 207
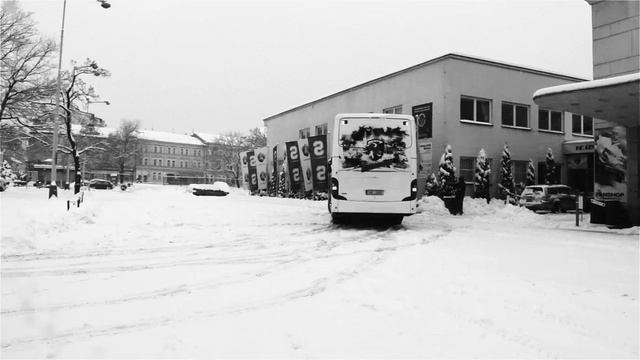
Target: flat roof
457 56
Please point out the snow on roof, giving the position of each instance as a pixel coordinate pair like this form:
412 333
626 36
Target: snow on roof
208 138
612 81
168 137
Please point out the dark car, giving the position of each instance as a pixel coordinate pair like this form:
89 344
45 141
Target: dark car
555 198
100 184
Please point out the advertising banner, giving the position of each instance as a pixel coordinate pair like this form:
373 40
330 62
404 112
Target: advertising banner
424 119
611 164
305 164
261 167
253 172
318 158
244 166
293 162
425 150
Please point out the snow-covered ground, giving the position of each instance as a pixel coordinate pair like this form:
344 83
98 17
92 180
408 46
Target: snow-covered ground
156 272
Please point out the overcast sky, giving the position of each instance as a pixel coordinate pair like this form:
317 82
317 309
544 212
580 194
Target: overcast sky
217 66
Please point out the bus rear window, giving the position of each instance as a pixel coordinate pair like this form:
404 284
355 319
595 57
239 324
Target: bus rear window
369 144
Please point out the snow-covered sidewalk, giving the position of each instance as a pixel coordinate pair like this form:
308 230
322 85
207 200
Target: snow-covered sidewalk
156 272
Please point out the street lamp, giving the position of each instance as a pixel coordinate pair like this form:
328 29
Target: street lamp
97 102
53 189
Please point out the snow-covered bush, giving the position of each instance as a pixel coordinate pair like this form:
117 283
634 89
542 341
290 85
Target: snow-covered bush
550 167
432 186
447 173
506 183
531 173
7 172
481 176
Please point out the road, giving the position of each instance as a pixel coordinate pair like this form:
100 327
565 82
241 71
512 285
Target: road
156 272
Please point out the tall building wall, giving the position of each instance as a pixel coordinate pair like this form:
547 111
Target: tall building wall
616 38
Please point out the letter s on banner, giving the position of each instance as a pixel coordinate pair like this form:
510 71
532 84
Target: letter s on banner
321 173
293 152
318 148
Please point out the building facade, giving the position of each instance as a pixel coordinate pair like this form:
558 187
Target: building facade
221 158
168 158
468 102
613 100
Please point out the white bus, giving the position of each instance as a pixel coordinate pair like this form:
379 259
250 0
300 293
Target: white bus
373 166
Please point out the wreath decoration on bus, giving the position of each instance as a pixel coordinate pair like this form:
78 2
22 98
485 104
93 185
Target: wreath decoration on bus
375 147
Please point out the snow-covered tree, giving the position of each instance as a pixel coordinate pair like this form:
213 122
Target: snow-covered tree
550 164
447 173
282 184
506 182
432 186
481 176
531 173
7 172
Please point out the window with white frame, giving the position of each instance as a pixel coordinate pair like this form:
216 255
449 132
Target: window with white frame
581 125
549 120
304 133
475 110
321 129
393 110
515 115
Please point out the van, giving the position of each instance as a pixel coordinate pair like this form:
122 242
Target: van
373 167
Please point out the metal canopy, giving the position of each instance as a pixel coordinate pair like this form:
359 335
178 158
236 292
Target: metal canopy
613 99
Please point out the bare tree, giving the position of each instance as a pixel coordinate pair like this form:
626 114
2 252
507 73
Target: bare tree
123 145
257 138
231 144
74 93
24 64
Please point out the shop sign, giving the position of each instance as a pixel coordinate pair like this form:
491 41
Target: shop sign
579 148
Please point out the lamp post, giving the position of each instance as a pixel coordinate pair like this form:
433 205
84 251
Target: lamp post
97 102
53 189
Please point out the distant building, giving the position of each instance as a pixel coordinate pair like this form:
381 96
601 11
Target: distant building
220 158
170 158
613 99
467 102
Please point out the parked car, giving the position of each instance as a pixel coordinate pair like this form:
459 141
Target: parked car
100 184
555 198
218 188
3 185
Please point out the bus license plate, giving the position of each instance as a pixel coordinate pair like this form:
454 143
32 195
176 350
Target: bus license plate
374 192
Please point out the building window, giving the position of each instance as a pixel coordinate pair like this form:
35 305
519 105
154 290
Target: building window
393 110
550 120
304 133
154 162
174 150
145 161
155 149
467 168
321 129
475 110
515 115
581 125
520 171
173 163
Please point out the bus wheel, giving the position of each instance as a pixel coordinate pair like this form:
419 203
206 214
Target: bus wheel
396 220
